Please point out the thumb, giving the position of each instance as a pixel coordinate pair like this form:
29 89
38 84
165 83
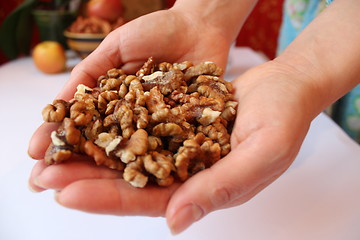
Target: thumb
233 180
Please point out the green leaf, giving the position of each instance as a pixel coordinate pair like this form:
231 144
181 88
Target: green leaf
61 4
10 26
24 32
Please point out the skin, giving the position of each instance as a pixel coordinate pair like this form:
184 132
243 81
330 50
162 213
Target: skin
277 102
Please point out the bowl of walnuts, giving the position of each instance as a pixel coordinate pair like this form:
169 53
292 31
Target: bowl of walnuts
86 33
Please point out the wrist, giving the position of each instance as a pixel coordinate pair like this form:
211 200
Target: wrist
302 80
326 53
227 16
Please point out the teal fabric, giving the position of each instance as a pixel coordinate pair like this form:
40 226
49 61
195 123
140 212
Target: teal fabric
328 1
347 113
297 15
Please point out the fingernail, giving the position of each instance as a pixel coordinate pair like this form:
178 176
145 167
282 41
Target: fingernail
184 217
38 183
34 190
56 196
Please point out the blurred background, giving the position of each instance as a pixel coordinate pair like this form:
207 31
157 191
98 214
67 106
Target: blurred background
260 32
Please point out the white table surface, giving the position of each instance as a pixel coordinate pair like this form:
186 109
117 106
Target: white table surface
317 198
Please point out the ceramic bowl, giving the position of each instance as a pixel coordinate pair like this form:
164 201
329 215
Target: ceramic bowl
83 43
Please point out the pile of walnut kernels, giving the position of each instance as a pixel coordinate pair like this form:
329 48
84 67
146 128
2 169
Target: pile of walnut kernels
165 123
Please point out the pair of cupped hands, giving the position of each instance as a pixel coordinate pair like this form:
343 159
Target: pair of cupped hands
266 137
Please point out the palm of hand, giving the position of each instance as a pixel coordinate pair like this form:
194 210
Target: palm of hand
128 48
166 35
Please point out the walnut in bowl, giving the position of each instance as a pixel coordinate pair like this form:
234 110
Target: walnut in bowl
85 34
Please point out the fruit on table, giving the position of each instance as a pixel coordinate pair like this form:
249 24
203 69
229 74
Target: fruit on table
109 10
49 57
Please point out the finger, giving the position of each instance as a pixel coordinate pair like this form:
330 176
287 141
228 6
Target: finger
37 169
109 196
40 140
58 176
233 180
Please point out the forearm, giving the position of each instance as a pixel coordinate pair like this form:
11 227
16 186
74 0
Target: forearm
226 15
327 53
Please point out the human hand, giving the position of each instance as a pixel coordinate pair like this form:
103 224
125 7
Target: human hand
266 138
128 47
276 107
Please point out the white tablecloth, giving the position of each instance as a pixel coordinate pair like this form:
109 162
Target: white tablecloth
317 198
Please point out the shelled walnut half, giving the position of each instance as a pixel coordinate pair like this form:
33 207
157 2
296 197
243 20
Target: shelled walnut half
165 123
